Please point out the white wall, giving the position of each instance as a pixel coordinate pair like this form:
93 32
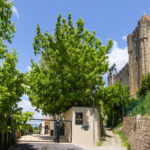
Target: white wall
79 135
43 127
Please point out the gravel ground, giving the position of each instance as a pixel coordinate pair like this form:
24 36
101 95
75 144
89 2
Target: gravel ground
112 142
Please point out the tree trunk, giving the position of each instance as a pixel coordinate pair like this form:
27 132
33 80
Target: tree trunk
113 119
122 113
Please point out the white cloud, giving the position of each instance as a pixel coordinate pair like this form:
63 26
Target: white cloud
118 56
15 11
29 68
124 38
26 105
25 97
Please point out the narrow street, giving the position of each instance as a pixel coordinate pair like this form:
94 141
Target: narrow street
46 146
112 142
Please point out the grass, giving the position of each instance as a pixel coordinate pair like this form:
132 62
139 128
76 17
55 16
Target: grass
124 139
102 139
100 143
117 127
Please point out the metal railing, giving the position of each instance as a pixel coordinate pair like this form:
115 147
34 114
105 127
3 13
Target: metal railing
136 107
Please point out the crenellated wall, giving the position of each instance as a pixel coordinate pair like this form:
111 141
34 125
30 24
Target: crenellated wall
123 75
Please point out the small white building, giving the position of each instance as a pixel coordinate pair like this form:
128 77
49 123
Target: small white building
82 125
47 126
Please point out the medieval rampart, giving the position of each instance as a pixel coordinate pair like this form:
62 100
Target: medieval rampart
123 75
139 56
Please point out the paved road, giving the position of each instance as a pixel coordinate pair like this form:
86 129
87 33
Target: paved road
112 142
47 146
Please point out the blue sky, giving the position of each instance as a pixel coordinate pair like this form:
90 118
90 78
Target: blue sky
111 19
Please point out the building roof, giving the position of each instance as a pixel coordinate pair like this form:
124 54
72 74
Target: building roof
46 118
146 17
81 107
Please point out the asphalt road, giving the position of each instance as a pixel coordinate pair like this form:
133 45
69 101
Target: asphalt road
47 146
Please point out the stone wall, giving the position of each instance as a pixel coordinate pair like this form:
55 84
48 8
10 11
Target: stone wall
139 53
138 132
139 56
128 125
123 75
112 80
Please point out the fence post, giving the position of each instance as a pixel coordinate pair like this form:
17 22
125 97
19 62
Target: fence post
136 107
142 106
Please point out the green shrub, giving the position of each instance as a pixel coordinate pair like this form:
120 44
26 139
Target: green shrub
124 139
129 147
117 127
145 85
139 106
100 143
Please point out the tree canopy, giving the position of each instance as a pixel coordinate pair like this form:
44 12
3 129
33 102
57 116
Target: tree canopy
21 121
7 27
72 61
114 99
11 86
11 80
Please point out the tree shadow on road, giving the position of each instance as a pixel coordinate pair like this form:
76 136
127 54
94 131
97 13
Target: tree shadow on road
26 147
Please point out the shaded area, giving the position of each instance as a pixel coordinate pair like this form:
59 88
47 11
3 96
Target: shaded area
26 147
47 146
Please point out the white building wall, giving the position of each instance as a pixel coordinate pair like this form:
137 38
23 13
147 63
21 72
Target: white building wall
43 127
79 135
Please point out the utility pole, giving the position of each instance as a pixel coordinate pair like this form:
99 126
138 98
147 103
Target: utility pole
93 93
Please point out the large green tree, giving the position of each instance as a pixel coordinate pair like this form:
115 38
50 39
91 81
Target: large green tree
72 62
11 87
7 27
11 80
21 121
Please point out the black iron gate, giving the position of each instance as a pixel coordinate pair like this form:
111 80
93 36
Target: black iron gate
46 130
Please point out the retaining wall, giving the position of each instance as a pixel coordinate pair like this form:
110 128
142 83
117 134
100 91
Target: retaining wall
138 132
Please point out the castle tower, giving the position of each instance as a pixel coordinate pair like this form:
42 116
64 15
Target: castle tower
139 53
112 79
112 76
139 57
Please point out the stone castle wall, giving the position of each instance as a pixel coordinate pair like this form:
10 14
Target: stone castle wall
139 56
123 75
112 80
139 53
138 132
